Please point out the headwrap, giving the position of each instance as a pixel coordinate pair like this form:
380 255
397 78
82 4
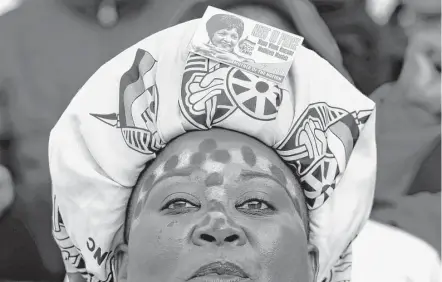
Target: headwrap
156 90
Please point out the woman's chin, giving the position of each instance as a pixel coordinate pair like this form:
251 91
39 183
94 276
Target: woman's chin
222 48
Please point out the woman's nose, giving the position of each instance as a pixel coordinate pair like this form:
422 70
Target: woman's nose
217 229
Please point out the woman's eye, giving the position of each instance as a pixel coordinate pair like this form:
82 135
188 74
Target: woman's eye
180 205
255 206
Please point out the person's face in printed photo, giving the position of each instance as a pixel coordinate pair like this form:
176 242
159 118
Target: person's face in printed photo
225 39
215 206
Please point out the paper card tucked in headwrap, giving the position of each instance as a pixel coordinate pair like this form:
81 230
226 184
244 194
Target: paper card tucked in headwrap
240 42
136 103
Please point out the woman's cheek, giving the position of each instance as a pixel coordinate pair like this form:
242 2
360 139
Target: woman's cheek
283 250
290 258
164 248
168 250
267 238
176 232
155 235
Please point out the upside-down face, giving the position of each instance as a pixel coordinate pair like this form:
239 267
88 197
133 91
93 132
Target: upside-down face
218 206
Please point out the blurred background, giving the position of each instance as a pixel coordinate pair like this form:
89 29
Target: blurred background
389 49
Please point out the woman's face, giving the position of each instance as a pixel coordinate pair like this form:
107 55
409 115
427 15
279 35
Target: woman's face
215 206
225 39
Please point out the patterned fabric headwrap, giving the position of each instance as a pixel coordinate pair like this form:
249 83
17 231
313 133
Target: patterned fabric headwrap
154 91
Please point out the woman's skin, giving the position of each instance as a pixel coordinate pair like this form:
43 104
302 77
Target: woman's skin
225 39
222 46
217 197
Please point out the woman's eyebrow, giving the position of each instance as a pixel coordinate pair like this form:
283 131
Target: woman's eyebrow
246 175
181 172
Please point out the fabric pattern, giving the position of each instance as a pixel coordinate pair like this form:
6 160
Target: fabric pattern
149 94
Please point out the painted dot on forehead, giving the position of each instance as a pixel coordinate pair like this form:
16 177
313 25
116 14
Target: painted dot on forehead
214 179
208 145
221 156
297 207
171 163
248 155
197 159
277 172
138 209
148 183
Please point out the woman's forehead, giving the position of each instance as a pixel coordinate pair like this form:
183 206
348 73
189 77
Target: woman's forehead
229 155
214 160
227 29
219 145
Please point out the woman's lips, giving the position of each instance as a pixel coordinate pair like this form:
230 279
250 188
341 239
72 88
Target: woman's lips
220 271
226 45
